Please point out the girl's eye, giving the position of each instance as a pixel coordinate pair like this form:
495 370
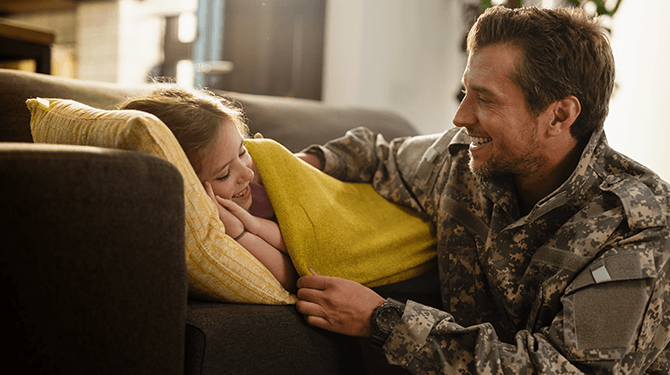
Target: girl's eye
224 177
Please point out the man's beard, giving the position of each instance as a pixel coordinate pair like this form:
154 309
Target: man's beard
521 166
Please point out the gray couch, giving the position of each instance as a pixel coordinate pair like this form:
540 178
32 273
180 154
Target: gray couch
81 223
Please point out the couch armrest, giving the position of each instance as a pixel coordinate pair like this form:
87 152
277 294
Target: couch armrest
92 265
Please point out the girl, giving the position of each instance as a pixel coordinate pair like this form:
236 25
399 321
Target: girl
339 228
211 130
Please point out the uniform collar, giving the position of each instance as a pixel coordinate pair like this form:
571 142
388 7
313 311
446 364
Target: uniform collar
584 178
502 192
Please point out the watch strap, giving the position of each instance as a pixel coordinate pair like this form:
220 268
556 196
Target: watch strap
381 330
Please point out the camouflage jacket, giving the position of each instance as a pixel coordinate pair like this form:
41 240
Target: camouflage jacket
578 285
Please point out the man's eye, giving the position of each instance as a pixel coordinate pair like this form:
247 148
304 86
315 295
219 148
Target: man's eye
244 151
483 99
223 178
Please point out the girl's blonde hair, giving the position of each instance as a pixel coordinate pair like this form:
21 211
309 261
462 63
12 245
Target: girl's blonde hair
193 116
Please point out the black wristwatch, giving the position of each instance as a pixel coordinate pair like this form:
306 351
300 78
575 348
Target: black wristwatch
384 319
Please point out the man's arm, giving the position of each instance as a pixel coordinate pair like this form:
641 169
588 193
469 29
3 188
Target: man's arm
311 159
363 156
352 157
427 340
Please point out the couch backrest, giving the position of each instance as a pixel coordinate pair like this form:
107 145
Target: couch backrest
296 123
17 87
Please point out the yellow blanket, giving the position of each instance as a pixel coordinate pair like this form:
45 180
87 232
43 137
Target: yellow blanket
338 228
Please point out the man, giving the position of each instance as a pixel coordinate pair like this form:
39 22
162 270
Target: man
553 248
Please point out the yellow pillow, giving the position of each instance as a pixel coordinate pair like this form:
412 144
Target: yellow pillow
219 268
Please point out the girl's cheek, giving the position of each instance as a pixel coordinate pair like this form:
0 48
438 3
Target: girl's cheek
218 190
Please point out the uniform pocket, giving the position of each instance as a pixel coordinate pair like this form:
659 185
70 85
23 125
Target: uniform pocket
605 304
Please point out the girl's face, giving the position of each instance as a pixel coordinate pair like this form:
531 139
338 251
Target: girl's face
228 167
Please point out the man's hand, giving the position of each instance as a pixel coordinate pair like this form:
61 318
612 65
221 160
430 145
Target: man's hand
336 304
310 159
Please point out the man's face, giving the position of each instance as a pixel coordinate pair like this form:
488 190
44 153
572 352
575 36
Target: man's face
505 135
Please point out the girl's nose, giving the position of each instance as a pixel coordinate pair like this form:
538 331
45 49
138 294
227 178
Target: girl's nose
246 175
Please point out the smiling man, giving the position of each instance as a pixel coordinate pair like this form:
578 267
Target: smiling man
537 150
552 247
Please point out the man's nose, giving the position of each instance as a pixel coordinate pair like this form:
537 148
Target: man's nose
464 115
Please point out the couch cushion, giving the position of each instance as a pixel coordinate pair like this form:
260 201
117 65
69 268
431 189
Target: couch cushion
219 268
245 339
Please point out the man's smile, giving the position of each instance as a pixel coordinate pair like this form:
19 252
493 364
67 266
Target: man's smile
478 141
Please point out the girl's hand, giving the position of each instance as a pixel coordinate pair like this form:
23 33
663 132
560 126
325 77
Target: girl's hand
234 227
250 222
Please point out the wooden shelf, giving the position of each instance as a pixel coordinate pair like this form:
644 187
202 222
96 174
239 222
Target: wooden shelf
20 42
34 6
31 34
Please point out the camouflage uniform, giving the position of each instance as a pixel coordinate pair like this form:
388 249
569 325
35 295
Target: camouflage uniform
580 284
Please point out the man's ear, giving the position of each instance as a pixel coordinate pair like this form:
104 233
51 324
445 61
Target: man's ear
564 112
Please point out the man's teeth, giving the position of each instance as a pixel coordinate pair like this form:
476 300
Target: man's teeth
479 140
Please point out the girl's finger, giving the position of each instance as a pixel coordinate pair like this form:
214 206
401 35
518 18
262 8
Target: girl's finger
228 204
208 189
222 201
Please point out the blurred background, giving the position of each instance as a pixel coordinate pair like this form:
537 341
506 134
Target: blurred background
402 55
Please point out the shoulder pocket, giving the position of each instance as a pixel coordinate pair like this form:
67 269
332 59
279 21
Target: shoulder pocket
605 304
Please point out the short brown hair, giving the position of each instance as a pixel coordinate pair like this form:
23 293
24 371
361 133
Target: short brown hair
193 116
563 53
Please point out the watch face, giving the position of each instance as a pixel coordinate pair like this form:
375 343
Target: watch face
388 318
384 319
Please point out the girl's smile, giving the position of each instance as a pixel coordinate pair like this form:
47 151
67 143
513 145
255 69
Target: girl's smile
228 167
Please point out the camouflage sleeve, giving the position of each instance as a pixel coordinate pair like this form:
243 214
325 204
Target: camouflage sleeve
429 341
363 156
353 157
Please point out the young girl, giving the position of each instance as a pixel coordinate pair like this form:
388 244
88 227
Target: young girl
338 228
211 131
